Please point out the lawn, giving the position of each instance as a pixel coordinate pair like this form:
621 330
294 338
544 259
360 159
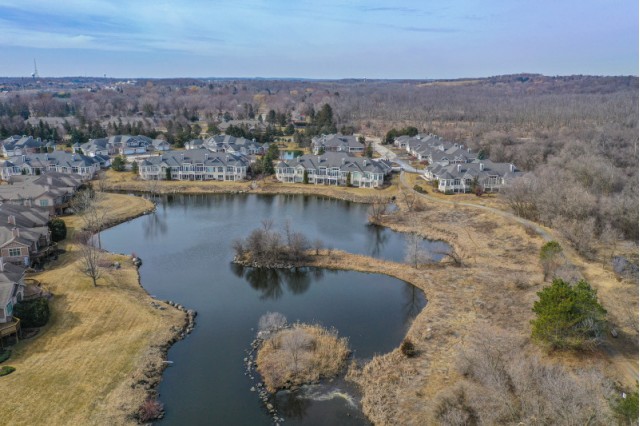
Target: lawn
80 368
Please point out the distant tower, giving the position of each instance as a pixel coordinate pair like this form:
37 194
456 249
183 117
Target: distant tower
35 74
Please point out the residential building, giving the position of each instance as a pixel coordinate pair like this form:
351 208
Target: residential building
333 168
51 192
194 164
20 145
336 143
228 144
121 145
12 289
56 161
24 246
464 177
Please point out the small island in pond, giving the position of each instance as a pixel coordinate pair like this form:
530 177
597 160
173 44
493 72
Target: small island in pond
291 356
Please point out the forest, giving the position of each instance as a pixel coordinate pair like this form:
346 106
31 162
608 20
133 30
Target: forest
577 136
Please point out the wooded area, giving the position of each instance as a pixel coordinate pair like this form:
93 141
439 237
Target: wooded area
578 135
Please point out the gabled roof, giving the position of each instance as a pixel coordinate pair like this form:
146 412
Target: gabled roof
194 156
341 160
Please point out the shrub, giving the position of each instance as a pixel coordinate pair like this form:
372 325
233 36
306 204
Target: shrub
419 189
6 369
550 257
33 313
150 409
4 355
58 230
568 316
408 348
626 409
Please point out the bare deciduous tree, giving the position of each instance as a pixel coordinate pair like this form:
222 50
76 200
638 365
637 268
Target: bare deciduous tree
90 258
295 342
415 254
272 321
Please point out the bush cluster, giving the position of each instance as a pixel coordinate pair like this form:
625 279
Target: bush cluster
6 369
34 313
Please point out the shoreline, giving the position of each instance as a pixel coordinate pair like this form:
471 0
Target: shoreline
460 299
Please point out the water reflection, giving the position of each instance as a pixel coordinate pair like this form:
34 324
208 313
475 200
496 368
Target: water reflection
378 237
291 406
272 282
415 300
155 224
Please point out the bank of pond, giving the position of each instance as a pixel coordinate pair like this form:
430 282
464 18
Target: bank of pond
186 247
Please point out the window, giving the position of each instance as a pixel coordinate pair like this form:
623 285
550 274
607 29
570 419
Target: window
13 252
44 203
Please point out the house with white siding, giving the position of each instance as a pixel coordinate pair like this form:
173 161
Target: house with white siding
56 161
465 177
336 143
194 164
333 168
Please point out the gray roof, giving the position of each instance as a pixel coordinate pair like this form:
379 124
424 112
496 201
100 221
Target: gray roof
226 143
336 141
477 168
343 160
9 276
177 158
23 216
15 141
55 158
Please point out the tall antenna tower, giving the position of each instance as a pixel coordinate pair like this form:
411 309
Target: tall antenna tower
35 74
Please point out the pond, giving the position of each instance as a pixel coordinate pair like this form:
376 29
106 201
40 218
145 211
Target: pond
185 247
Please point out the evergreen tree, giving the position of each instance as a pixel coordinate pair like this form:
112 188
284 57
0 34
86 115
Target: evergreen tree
568 316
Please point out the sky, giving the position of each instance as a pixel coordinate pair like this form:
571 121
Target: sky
325 39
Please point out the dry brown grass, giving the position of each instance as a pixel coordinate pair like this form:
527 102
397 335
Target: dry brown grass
301 354
85 366
128 182
496 286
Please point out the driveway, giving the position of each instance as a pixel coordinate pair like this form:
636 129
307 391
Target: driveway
386 153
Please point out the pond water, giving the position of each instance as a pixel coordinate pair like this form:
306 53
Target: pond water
185 247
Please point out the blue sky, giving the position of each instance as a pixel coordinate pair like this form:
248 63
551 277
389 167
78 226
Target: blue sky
318 39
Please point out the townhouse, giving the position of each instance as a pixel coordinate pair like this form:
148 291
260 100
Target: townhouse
228 144
56 161
121 145
194 164
333 168
336 143
20 145
51 192
12 288
466 177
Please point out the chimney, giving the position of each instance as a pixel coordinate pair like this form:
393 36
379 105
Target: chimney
364 163
459 167
1 264
481 166
206 156
319 159
47 188
512 168
11 219
344 161
49 180
73 157
15 231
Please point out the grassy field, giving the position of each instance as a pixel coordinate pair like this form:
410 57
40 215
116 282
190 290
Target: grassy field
85 366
